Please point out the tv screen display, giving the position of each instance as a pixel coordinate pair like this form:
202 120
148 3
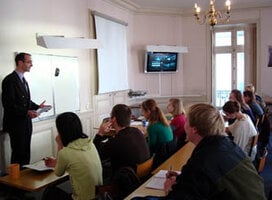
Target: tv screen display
161 62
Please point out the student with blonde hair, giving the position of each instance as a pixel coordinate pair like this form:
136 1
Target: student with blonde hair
176 109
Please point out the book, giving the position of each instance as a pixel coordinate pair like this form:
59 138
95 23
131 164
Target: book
39 166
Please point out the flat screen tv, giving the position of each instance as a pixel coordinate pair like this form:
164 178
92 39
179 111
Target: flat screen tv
161 62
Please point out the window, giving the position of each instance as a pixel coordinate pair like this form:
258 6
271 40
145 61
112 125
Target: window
233 63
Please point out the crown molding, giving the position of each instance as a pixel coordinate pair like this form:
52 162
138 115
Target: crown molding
137 9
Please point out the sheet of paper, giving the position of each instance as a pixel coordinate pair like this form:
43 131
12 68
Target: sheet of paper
157 181
39 166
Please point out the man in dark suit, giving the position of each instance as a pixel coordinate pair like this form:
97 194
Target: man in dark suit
19 110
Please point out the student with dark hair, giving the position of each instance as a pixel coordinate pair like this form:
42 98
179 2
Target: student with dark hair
127 147
249 98
236 95
259 99
78 156
242 129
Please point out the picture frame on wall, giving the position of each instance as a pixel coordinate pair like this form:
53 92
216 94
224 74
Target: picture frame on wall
270 56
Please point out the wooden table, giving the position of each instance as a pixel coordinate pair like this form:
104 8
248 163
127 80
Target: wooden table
177 161
32 181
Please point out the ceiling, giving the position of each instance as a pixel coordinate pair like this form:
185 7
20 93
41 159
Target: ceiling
186 6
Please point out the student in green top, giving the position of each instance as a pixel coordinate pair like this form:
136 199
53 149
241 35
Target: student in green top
158 129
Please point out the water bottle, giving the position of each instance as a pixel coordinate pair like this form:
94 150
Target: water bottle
144 123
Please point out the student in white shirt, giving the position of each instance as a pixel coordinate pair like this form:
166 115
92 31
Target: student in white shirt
242 130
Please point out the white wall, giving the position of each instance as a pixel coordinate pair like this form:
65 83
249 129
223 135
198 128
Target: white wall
265 41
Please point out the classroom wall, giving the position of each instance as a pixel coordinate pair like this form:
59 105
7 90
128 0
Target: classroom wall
265 41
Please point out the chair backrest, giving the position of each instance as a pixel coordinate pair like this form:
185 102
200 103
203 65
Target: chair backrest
254 142
262 159
144 169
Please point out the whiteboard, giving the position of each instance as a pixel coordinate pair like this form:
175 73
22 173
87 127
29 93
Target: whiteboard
61 90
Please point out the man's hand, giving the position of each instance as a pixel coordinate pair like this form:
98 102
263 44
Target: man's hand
32 114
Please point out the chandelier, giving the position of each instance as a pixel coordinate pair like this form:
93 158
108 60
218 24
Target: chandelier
213 15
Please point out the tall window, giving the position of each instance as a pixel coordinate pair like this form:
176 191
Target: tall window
233 60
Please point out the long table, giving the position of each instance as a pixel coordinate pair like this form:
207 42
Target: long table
176 162
31 180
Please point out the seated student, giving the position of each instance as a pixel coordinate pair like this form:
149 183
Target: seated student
263 123
175 107
160 136
250 100
128 147
78 156
158 129
236 95
218 169
259 99
242 129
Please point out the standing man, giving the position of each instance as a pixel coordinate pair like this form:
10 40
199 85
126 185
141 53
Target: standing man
19 110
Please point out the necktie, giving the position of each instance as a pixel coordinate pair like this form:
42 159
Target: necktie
25 84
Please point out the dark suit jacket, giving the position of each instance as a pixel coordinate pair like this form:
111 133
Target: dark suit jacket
16 102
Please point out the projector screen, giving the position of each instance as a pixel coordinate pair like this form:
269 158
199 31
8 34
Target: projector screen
112 57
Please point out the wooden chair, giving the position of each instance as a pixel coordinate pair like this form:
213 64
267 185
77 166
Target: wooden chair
262 159
253 143
143 170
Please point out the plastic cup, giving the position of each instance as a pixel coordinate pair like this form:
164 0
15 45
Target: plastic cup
14 170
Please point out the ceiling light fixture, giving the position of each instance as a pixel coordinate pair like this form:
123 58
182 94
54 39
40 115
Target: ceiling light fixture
212 15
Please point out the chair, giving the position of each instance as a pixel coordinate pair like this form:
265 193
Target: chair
143 170
262 159
253 144
164 152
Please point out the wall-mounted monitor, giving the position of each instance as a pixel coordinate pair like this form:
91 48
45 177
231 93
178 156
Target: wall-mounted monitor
161 62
